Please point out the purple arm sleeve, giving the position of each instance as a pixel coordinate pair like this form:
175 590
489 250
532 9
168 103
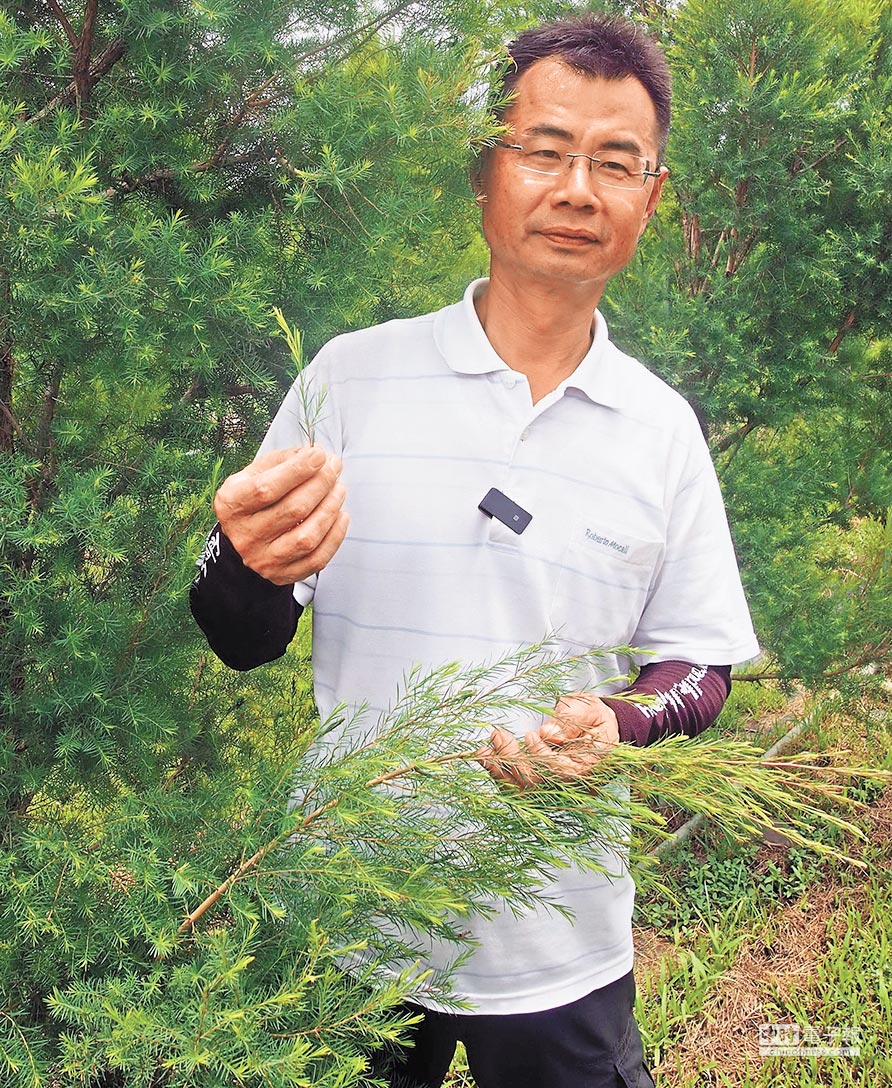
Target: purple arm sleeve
246 619
688 700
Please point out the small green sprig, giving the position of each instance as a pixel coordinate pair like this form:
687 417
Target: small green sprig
311 402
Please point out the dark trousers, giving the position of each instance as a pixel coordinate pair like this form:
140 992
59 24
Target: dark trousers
591 1043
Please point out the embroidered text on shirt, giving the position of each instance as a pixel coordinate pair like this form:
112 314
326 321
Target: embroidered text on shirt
623 549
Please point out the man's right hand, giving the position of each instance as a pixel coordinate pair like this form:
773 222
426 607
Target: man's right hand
283 513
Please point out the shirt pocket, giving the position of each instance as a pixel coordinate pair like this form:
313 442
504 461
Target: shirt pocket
602 584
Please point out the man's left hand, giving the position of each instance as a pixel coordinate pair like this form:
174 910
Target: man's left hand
567 745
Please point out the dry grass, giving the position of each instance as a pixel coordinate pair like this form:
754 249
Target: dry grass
724 1036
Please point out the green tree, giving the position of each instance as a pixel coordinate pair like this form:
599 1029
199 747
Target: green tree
764 294
168 174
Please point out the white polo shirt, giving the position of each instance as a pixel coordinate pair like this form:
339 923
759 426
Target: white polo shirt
628 545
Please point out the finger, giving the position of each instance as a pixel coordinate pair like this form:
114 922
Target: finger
504 750
539 750
305 535
504 745
552 731
259 486
563 763
573 708
514 764
272 458
323 555
269 544
484 757
599 721
297 505
559 731
584 703
603 737
284 569
582 712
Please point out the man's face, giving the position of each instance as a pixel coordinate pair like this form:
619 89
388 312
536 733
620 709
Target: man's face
569 228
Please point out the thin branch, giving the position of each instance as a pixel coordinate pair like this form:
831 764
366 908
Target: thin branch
798 166
691 231
866 657
371 26
652 9
165 173
838 146
852 495
176 772
311 818
254 99
107 60
744 250
66 25
833 346
291 169
130 185
82 77
737 254
737 436
48 411
735 450
286 165
14 423
723 237
45 443
7 365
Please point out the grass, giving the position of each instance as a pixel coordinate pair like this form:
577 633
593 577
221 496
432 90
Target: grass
821 961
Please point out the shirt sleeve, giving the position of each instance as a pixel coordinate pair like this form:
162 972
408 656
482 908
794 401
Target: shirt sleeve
696 609
687 700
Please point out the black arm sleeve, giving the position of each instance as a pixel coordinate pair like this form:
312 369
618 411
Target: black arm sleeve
688 700
246 619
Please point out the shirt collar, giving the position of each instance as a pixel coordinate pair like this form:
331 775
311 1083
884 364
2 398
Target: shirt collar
463 343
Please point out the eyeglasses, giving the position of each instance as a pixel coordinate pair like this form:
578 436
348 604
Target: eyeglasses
616 169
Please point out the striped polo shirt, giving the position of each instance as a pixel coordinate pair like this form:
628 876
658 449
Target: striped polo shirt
628 545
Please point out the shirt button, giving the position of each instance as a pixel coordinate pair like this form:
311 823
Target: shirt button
524 435
509 381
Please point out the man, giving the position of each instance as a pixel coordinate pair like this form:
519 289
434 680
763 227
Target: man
517 388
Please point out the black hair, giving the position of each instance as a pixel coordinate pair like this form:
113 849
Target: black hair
601 46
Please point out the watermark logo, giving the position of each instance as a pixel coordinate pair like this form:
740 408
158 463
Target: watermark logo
808 1041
